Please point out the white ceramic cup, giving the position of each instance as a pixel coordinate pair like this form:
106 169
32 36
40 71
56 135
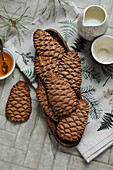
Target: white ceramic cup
13 67
102 49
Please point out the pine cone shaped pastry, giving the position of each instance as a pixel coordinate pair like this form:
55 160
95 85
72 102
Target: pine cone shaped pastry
61 96
69 67
72 127
42 98
18 107
47 46
59 72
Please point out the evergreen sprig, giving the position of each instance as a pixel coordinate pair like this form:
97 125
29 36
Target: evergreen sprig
14 24
30 74
79 44
91 74
107 122
52 7
87 94
26 57
68 28
108 72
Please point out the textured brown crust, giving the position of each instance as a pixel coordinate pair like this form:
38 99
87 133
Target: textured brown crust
42 98
72 127
46 45
59 72
69 67
18 107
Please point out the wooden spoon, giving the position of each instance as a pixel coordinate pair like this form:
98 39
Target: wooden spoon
4 66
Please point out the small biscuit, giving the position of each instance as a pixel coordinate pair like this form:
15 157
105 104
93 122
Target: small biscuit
18 107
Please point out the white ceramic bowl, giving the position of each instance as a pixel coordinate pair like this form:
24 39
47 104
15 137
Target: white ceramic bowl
12 56
102 49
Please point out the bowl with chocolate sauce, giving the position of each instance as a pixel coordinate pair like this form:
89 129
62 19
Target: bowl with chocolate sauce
10 61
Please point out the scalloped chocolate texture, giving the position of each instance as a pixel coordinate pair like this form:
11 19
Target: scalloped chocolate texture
18 107
59 72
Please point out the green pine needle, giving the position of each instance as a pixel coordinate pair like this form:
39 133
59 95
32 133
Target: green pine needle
91 74
107 121
30 74
68 28
26 57
108 72
14 24
52 7
87 94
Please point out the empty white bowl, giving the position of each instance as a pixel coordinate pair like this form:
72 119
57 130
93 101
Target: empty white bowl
102 49
13 59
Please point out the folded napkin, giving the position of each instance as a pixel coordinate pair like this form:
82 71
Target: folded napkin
97 81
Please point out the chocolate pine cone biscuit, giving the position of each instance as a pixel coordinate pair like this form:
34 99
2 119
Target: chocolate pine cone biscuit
59 92
66 64
72 127
42 98
47 46
69 67
18 107
61 96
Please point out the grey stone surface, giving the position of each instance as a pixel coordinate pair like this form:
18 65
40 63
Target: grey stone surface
47 155
12 127
107 5
7 138
61 161
11 166
111 156
77 163
26 128
2 121
111 18
30 145
36 144
10 154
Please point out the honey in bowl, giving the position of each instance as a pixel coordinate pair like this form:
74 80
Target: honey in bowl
9 62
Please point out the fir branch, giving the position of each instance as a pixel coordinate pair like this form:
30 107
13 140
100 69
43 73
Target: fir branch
54 9
107 122
15 12
7 33
82 60
26 57
89 72
79 44
22 15
68 28
89 90
30 74
45 8
50 12
18 35
14 25
108 72
62 7
87 94
3 7
2 26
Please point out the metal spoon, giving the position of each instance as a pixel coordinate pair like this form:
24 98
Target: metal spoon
4 66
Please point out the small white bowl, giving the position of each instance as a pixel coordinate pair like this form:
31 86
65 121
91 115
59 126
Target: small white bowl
102 49
13 67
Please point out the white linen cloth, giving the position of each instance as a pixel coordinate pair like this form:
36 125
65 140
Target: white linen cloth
93 142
